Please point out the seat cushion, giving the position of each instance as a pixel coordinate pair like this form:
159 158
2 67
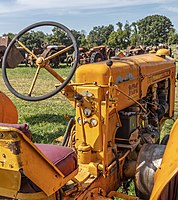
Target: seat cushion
22 127
64 158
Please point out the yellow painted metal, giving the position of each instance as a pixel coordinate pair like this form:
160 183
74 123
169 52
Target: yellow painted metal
105 91
21 153
114 89
133 74
10 163
35 196
26 49
8 111
99 72
34 80
162 52
57 76
84 154
9 183
90 182
169 165
93 134
39 169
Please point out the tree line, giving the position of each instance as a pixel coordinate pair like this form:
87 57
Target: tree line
149 31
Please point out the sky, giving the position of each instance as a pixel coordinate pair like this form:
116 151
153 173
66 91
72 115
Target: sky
81 14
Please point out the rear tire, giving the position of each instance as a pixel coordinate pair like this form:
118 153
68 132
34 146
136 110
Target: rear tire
54 62
96 57
149 159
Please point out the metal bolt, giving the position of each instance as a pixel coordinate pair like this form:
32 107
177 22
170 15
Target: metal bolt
11 166
4 155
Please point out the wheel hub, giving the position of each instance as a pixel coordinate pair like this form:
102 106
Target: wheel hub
40 61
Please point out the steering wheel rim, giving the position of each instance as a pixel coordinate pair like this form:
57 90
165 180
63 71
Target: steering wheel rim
63 84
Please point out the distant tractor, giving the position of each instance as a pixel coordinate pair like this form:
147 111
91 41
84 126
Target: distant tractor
52 49
15 55
100 53
95 54
37 51
46 51
132 50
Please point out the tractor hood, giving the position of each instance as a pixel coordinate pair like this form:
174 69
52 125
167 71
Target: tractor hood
123 69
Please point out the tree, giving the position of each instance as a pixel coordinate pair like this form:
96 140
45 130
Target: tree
10 35
135 37
33 39
172 37
121 37
58 37
100 35
119 25
84 42
154 29
80 38
127 33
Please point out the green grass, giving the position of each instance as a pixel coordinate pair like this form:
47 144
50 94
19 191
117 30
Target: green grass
45 118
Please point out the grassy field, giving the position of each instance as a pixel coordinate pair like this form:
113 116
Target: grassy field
46 118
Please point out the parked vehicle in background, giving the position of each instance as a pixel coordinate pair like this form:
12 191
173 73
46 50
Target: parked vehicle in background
95 54
49 51
132 50
15 55
52 49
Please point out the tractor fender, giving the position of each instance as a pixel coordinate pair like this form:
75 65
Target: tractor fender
8 111
166 176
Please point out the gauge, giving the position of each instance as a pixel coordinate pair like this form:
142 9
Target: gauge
93 122
79 120
87 112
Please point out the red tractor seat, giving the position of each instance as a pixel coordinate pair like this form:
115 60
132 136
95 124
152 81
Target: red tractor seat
64 158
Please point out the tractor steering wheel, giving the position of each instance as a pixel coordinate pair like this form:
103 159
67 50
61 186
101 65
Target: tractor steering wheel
42 63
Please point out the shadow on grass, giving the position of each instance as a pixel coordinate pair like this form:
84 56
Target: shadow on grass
49 118
46 138
55 126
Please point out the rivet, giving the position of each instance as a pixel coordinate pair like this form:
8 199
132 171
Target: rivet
11 166
4 155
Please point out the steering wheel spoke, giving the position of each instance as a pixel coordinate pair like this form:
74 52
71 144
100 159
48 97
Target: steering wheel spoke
58 53
34 93
34 81
26 49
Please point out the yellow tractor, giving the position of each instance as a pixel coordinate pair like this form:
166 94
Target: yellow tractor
121 106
